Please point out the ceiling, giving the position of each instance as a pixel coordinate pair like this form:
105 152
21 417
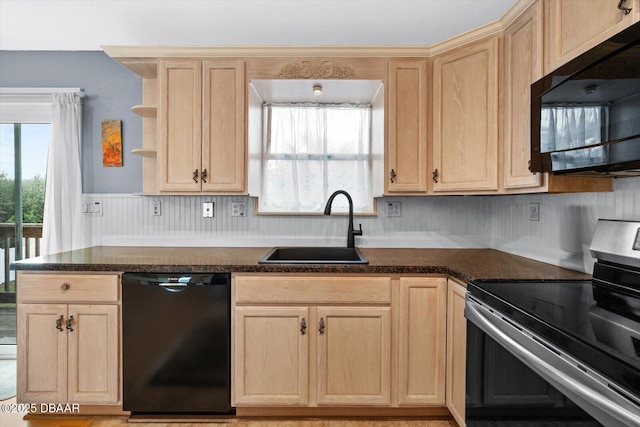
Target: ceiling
89 24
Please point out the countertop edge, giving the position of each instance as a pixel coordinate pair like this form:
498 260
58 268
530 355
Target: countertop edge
463 264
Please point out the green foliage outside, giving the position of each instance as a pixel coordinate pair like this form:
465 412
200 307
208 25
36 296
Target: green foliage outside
32 199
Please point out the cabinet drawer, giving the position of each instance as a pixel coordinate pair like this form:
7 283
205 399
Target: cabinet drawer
312 289
35 287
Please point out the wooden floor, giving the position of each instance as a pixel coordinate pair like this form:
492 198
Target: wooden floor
16 420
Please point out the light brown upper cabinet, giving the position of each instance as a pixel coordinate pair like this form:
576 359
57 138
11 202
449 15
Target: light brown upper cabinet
201 126
522 67
406 156
574 26
465 111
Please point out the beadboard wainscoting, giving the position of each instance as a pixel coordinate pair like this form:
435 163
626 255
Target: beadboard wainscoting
561 237
563 234
127 220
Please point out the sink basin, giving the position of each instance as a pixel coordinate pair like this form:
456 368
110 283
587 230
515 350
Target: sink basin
314 255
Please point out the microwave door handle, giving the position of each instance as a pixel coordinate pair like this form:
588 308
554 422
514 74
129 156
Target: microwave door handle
592 394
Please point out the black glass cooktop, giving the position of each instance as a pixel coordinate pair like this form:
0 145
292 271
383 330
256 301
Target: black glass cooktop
566 314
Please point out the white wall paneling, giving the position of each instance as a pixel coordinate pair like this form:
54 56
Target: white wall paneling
567 221
425 222
561 237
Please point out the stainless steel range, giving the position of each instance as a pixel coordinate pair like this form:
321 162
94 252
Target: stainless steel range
559 353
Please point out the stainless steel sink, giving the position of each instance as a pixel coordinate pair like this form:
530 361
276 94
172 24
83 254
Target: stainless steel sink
314 255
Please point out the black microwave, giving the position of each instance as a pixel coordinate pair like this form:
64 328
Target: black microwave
585 115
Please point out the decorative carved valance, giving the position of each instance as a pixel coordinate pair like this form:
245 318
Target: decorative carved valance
317 69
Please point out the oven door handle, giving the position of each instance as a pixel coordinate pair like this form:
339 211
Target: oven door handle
589 390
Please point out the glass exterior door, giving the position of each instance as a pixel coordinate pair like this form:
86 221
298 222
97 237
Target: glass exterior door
23 160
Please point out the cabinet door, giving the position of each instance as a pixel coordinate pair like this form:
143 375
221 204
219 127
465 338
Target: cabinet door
465 128
456 351
407 131
353 356
523 66
223 126
93 354
575 26
271 356
42 353
179 125
422 341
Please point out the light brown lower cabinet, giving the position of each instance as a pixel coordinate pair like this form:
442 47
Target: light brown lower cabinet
326 340
271 355
456 350
354 359
422 338
68 352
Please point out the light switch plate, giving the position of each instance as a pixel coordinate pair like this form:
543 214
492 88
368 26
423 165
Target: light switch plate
207 209
92 207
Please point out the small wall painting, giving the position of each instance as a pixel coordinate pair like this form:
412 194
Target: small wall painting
112 143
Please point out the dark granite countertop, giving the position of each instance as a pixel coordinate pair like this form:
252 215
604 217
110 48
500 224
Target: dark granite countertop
464 264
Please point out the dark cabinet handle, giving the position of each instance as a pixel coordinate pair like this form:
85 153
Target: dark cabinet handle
626 10
393 176
203 178
321 326
303 327
435 175
69 324
59 321
65 287
195 176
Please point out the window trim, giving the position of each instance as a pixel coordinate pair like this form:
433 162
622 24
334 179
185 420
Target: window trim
28 105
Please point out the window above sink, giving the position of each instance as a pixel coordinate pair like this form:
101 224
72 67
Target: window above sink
304 146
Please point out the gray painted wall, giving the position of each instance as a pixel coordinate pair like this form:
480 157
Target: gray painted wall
111 91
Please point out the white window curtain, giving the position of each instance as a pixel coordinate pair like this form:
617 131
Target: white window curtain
567 126
311 150
63 217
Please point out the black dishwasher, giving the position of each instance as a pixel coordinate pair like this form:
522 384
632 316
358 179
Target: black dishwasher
176 334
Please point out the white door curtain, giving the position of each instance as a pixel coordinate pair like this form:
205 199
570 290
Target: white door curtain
63 218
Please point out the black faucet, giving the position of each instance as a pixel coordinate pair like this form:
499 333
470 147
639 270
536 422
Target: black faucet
351 232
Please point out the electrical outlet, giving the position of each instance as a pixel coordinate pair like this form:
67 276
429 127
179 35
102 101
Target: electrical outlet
534 211
238 209
207 209
157 208
394 209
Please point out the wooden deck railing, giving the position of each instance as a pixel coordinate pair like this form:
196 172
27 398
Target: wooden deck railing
30 233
